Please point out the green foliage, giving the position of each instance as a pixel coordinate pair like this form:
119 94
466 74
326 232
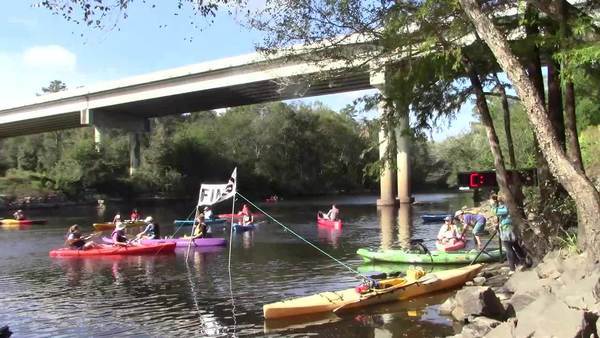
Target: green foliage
567 243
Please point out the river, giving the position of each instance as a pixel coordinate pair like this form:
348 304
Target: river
163 296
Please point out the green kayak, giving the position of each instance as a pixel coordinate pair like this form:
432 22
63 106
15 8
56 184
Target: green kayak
435 257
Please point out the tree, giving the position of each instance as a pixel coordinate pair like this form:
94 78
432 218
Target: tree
577 184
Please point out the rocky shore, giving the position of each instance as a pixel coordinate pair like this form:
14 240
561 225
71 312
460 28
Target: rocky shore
558 298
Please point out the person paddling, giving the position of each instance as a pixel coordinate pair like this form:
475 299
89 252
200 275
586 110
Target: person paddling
199 227
246 216
19 215
333 213
118 235
75 240
152 230
135 215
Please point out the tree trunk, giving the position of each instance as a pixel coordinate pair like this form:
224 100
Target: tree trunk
486 119
578 186
555 105
507 131
573 148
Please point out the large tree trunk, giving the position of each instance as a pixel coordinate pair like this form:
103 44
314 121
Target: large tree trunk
555 105
573 148
486 119
572 140
578 186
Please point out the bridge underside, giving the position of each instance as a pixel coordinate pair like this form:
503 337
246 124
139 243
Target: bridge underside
230 96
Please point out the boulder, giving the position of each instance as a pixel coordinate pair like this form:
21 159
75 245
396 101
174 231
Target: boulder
504 330
547 316
478 301
447 306
521 300
479 280
522 281
479 327
574 268
580 294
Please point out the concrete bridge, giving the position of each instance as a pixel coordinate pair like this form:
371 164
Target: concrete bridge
248 79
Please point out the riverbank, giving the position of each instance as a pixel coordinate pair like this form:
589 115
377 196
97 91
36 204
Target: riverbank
560 297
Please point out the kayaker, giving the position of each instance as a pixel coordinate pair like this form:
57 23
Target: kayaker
199 227
19 215
477 221
134 215
117 217
75 240
448 232
152 230
333 213
507 234
246 216
118 235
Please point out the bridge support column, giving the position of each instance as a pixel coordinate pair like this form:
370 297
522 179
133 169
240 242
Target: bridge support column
386 178
134 152
402 132
97 138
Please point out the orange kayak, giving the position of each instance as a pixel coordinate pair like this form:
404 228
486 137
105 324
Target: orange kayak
111 250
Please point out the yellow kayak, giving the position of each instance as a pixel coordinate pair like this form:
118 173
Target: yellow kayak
388 290
111 225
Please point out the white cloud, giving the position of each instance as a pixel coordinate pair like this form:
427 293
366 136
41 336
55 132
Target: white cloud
50 57
26 72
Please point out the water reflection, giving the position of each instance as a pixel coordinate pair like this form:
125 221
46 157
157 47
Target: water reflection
387 218
404 225
329 236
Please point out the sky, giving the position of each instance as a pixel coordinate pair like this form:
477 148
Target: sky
37 47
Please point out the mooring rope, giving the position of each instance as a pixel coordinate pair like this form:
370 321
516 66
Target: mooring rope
233 315
182 224
305 240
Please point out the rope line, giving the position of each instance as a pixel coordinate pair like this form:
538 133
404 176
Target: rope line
304 239
187 218
233 315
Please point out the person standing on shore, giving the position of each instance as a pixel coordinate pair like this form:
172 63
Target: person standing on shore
477 221
507 234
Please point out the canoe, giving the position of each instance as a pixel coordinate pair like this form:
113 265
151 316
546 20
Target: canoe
190 222
329 223
108 250
436 257
180 242
10 221
240 228
430 218
456 245
111 225
388 290
237 217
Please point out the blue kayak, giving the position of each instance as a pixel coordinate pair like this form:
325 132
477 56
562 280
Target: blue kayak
430 218
240 228
190 222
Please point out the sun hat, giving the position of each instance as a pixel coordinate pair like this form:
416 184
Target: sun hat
458 213
149 219
120 225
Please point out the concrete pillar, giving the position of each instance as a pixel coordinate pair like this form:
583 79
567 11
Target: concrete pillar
386 180
97 138
387 218
402 159
404 225
134 152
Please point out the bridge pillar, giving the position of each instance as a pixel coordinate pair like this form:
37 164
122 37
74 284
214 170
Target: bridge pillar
386 178
402 132
134 152
100 119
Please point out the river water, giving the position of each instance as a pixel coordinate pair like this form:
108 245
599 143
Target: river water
163 296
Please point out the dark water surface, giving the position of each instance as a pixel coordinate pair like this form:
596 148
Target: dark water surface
163 296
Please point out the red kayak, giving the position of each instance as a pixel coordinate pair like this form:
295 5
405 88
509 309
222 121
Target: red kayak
106 250
324 222
237 217
451 246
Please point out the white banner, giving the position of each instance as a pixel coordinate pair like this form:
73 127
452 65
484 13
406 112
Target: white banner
214 193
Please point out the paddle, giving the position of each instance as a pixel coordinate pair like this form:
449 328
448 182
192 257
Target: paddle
483 249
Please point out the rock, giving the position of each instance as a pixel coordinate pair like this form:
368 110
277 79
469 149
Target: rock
478 327
574 268
447 306
504 330
520 301
547 316
469 283
479 301
580 294
479 280
522 281
503 295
